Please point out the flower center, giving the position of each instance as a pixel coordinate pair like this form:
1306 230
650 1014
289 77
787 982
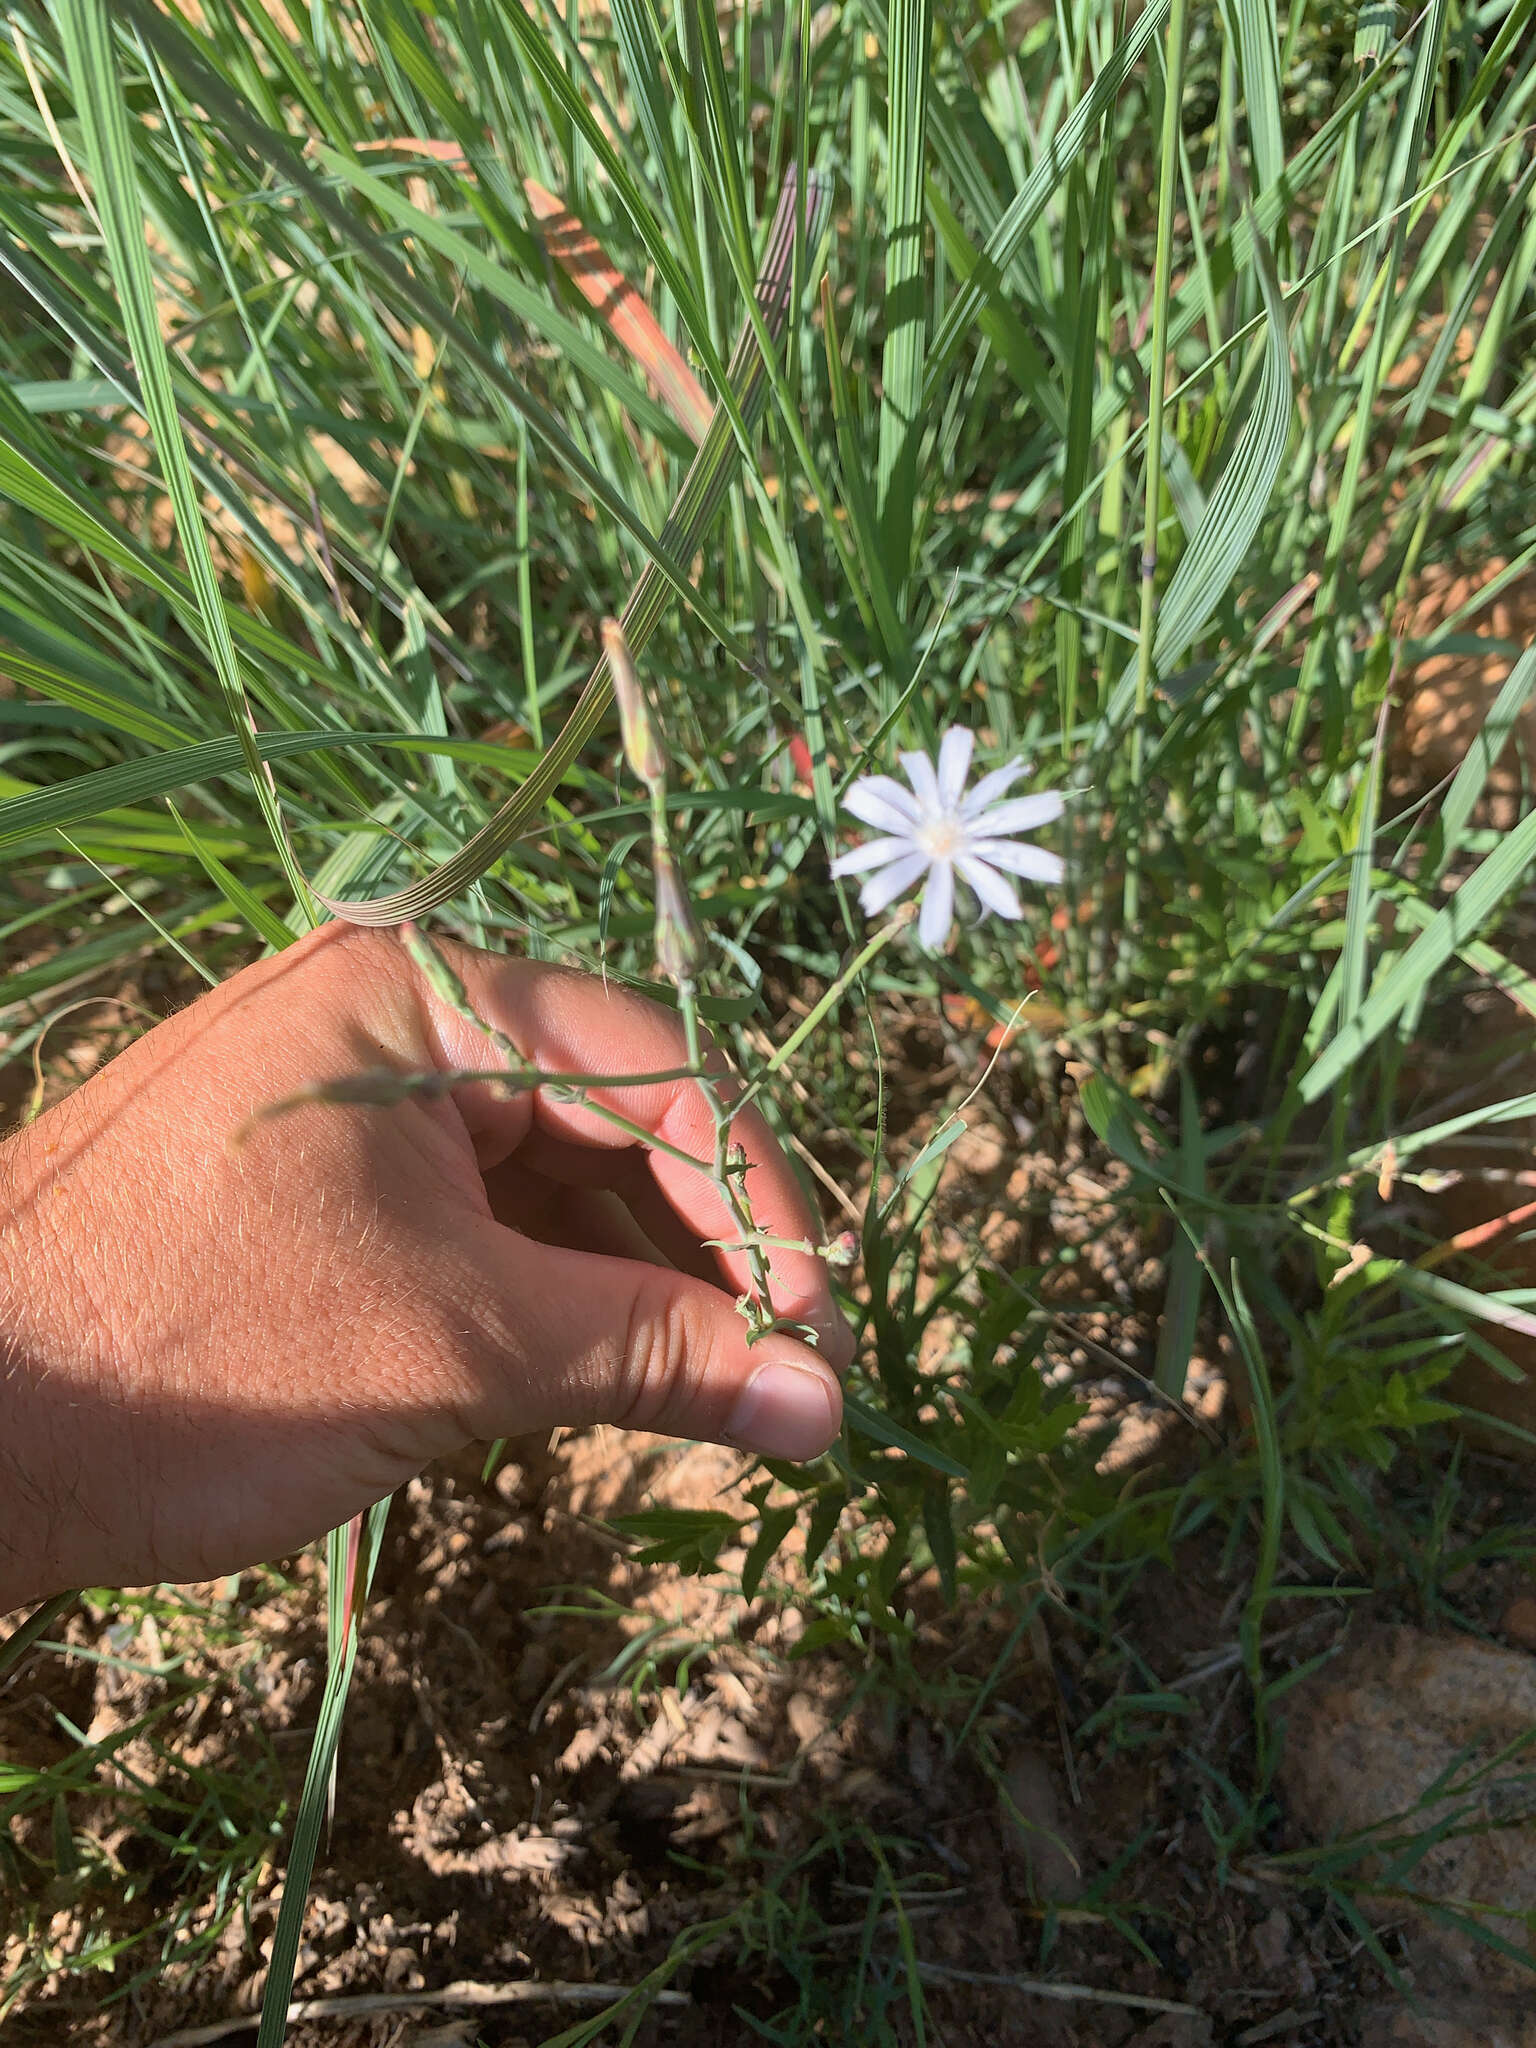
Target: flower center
940 838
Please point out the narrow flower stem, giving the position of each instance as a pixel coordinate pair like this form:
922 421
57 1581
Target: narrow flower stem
728 1172
574 1087
1162 284
769 1243
679 954
833 996
384 1088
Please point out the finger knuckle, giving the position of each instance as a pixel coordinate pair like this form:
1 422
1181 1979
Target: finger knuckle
666 1355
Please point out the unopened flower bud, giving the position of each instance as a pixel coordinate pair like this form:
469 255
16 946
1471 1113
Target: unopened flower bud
679 944
642 747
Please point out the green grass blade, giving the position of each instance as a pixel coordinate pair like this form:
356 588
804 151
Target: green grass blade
1259 63
1360 902
909 60
109 151
1029 202
1456 925
24 482
1186 1265
38 1624
1237 505
1084 293
313 1802
26 812
881 1430
857 497
1492 738
241 899
61 666
702 493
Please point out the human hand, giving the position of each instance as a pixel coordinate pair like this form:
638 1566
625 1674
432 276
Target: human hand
214 1351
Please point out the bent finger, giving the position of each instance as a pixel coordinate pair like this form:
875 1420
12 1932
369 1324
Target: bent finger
574 1337
564 1022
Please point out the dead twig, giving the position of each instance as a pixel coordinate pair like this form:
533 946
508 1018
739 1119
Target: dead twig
1044 1987
481 1995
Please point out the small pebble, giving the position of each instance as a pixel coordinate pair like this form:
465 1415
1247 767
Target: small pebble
1272 1942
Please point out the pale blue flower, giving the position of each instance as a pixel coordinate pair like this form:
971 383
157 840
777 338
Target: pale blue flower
935 829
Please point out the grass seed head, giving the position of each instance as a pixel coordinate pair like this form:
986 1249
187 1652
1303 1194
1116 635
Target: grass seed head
679 943
642 744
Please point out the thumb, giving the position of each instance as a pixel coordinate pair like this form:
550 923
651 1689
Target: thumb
573 1337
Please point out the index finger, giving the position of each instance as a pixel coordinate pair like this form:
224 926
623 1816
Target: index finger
567 1022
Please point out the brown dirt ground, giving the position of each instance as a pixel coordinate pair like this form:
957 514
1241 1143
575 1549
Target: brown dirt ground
512 1803
508 1807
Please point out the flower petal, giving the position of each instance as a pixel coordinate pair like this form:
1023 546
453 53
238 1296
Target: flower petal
998 896
992 786
938 906
954 764
919 772
1020 814
1018 857
874 853
881 890
880 800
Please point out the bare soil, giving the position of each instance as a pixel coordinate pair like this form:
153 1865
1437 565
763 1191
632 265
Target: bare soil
516 1800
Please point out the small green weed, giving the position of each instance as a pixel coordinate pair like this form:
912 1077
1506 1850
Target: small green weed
124 1860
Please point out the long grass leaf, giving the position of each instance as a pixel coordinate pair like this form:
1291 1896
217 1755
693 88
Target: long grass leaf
1186 1264
1360 901
1488 744
1453 927
26 811
909 62
1237 505
702 493
1084 290
881 1430
109 150
240 898
852 453
1029 202
313 1801
1259 63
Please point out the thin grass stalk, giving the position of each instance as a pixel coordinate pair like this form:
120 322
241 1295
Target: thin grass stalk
104 123
703 491
909 61
356 1551
1178 22
1383 269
